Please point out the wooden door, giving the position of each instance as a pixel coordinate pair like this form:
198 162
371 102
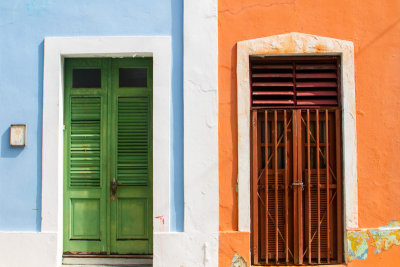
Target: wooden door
296 186
131 157
108 156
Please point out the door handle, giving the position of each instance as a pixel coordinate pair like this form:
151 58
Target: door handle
113 189
299 184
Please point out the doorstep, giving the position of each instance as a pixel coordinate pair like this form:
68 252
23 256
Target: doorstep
107 261
325 265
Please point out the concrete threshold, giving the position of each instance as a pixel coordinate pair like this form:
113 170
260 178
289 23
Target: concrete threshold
98 261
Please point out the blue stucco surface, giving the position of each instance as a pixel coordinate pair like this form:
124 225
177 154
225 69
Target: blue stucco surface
23 26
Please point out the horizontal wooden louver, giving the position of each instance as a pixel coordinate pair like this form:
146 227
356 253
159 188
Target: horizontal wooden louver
133 140
295 81
85 141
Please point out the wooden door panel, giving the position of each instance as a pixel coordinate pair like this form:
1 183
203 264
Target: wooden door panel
85 122
320 174
130 214
131 146
85 219
274 239
296 186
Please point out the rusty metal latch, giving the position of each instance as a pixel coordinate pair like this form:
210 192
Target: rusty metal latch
299 184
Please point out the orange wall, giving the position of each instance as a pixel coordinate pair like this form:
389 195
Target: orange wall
374 27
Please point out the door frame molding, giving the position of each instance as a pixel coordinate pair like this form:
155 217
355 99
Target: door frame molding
55 50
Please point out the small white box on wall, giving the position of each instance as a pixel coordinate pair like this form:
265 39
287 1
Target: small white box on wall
18 135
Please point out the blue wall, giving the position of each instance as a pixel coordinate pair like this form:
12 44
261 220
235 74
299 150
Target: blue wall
23 26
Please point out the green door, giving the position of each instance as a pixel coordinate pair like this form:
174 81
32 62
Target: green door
108 156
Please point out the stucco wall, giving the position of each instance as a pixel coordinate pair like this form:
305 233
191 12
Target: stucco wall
374 28
23 27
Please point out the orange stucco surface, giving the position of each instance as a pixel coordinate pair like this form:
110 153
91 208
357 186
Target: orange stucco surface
374 28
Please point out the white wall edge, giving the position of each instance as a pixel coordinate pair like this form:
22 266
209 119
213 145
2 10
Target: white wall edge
201 178
55 49
32 249
298 44
186 249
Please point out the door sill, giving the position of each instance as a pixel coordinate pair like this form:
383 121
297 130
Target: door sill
137 256
113 260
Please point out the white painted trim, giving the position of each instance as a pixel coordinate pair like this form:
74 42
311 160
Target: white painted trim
201 115
31 249
55 49
198 244
298 44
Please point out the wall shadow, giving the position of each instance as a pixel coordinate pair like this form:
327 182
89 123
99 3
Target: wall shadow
8 151
39 137
234 130
177 181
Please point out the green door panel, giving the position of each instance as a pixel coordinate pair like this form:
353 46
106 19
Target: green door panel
131 116
108 135
89 228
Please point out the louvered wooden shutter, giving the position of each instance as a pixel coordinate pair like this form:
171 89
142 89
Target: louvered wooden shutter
298 81
320 144
133 140
85 141
272 199
296 160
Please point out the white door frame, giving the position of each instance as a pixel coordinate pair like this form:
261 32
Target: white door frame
55 50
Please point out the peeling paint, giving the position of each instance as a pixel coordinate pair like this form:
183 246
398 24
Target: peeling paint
382 239
391 225
357 245
238 261
386 236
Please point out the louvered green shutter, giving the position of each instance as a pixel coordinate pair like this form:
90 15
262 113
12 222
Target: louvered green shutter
85 162
133 140
85 141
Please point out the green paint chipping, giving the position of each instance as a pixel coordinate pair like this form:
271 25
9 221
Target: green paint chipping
386 236
357 245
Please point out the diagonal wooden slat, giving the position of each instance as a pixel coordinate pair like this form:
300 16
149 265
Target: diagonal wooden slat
274 223
322 219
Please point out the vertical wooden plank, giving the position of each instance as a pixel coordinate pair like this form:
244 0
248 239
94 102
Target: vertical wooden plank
286 188
308 187
276 185
254 186
318 186
266 184
339 187
294 188
327 183
300 188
